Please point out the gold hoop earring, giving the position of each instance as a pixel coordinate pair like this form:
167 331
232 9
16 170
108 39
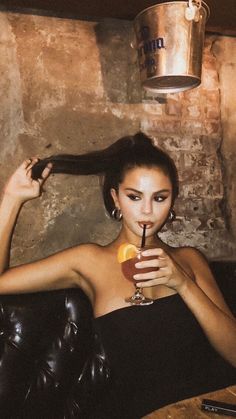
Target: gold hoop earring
172 215
117 214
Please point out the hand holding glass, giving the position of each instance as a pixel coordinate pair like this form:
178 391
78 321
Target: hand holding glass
129 270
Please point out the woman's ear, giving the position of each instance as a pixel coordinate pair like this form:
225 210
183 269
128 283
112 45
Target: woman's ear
115 197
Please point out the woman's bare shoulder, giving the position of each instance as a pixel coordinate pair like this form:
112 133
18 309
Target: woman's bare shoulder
90 250
89 256
86 262
204 277
188 252
193 258
193 261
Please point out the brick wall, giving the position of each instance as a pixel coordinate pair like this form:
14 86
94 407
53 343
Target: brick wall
72 86
188 126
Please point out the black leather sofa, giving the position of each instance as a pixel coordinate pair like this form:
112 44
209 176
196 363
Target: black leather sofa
52 365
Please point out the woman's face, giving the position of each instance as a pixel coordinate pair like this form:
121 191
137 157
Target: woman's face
144 197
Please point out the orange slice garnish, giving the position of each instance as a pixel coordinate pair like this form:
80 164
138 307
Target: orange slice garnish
126 251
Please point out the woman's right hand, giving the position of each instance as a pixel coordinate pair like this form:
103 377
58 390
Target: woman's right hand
21 186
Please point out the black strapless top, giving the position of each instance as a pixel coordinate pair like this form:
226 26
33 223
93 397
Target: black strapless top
158 355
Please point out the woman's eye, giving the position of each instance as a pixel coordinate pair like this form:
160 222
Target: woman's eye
133 197
160 198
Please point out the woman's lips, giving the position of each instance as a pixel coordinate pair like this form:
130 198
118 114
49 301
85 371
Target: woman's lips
148 224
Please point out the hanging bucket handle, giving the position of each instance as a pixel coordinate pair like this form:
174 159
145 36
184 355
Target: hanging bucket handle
193 8
197 3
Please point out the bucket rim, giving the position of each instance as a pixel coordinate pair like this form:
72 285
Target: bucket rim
157 89
204 6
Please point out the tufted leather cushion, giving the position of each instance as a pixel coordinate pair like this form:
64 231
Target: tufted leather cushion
46 339
52 365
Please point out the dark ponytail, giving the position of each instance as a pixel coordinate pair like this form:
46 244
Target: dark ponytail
113 162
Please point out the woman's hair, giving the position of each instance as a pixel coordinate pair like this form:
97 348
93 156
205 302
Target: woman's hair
113 163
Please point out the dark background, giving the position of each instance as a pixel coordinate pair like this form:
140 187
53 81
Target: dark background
222 18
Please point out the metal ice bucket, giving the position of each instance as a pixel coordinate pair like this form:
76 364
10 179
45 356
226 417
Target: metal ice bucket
170 39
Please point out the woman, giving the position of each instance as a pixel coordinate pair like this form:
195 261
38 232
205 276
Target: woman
160 353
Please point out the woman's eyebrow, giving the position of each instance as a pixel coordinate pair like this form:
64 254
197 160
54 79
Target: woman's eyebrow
137 191
133 190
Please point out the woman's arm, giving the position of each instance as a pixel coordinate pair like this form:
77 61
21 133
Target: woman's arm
61 270
9 210
202 297
206 302
54 272
19 189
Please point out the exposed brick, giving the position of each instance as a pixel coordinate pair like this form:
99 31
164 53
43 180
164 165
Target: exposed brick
213 127
176 143
212 98
153 108
202 190
151 124
199 207
173 108
210 79
209 62
193 111
171 127
192 126
193 94
212 112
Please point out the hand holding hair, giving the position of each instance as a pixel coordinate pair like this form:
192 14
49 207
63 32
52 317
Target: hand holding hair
21 185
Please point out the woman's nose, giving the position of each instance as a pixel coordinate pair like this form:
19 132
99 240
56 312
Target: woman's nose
147 207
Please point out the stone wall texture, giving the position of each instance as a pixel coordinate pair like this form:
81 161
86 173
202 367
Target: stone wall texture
71 86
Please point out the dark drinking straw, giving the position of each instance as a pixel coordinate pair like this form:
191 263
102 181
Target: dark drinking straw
143 236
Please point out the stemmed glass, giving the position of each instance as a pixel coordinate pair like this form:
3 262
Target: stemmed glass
129 270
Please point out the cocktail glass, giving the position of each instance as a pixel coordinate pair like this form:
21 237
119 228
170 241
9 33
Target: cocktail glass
129 270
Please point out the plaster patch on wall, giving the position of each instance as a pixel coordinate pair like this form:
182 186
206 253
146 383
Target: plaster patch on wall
71 53
11 115
117 112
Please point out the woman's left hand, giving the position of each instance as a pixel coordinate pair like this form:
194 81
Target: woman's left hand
169 273
21 186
